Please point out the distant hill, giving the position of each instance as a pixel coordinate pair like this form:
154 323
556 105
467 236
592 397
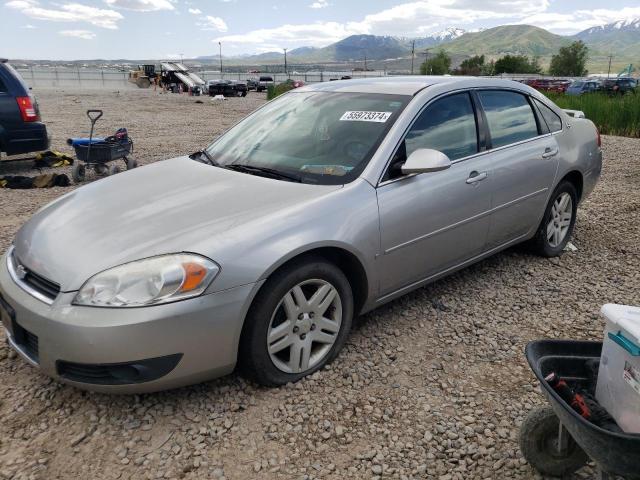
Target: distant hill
619 38
302 51
355 47
439 38
508 39
622 39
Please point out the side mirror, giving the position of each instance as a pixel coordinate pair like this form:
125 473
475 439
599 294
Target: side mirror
425 160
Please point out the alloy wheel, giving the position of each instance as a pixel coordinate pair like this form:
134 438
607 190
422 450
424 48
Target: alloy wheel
559 220
304 326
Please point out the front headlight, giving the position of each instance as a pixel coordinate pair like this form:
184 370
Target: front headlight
151 281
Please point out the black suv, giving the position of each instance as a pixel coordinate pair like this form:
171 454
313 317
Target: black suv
620 86
21 130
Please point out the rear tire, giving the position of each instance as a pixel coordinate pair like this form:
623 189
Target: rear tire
284 338
131 163
557 224
113 169
538 444
78 172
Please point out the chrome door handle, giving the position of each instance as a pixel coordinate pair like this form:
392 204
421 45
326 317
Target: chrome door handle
550 152
475 177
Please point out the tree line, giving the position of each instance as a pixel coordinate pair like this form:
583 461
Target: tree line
570 61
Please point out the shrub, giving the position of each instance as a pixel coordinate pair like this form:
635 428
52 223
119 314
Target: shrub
274 90
517 64
438 65
613 115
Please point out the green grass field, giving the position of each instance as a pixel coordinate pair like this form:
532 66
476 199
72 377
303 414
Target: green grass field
613 115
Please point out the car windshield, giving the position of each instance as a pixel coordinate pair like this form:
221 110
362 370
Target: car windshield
577 84
315 137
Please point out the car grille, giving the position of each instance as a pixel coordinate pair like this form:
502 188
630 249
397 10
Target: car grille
32 281
27 341
42 285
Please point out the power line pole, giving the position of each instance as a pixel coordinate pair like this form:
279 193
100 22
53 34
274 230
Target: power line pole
285 60
220 45
365 63
413 54
609 71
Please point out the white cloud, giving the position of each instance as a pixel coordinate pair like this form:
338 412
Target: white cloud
406 19
69 12
314 34
195 11
209 22
84 34
319 4
567 23
423 17
29 26
141 5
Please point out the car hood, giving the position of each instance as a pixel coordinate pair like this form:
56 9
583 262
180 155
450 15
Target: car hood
167 207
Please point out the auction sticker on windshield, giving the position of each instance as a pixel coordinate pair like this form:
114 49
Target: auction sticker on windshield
378 117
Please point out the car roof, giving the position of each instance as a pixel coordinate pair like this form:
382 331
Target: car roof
408 85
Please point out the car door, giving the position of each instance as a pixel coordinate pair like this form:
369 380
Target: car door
524 161
432 222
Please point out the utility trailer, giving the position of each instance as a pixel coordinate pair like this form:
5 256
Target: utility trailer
173 74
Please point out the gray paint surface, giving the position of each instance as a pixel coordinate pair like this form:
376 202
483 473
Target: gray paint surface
404 233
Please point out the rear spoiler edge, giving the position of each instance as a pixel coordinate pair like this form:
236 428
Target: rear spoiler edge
574 113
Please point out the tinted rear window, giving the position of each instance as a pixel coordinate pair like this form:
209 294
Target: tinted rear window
3 87
18 77
510 117
266 79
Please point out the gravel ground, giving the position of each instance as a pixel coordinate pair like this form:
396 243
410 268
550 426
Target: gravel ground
433 385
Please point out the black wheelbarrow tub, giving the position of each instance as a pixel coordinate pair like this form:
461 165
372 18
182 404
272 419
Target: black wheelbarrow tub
615 453
103 152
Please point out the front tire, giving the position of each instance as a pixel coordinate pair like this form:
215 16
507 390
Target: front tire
556 227
297 324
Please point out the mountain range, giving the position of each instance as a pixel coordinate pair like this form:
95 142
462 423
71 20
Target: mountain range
620 39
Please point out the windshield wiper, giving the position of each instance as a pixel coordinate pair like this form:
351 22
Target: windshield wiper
265 171
203 154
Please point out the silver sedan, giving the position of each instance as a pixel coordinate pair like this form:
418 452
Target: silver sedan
258 251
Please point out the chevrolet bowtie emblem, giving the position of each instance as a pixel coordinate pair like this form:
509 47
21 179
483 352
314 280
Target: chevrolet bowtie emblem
21 272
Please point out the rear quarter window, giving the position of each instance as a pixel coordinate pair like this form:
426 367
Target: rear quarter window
3 87
550 117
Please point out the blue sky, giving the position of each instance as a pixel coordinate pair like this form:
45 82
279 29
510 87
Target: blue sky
110 29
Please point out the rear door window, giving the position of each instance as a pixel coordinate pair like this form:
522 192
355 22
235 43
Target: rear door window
551 118
509 116
447 125
3 87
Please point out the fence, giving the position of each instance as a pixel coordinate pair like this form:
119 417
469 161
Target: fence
107 78
87 78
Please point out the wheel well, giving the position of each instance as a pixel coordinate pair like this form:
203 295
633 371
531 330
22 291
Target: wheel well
575 178
350 266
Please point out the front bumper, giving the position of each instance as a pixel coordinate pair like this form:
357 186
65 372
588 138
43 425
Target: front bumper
202 332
